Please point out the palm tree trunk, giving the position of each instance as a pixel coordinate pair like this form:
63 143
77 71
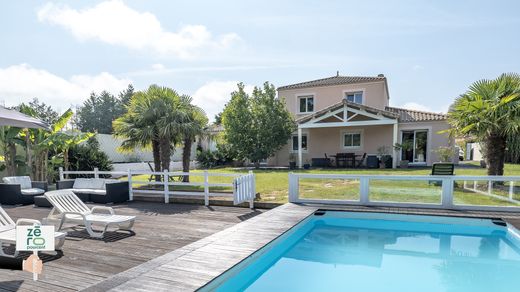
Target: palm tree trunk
45 165
165 153
10 159
156 151
495 154
186 153
28 153
66 161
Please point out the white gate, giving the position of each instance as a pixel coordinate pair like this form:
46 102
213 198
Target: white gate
244 189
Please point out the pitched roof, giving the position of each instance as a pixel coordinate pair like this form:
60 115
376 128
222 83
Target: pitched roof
407 115
334 80
354 105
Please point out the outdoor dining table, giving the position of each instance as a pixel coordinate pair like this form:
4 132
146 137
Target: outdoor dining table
347 157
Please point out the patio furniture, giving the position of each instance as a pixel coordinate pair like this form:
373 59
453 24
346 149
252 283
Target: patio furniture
97 190
345 160
372 161
41 201
20 190
330 160
320 162
8 232
171 178
68 208
359 162
441 168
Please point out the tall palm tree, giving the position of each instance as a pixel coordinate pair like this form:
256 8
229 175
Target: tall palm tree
489 111
153 119
138 128
194 126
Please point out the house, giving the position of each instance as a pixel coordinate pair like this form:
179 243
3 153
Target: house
352 114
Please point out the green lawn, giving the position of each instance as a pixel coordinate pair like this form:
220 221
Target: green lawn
273 185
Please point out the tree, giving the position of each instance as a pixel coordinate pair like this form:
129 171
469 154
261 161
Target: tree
192 127
43 111
126 95
138 128
154 118
99 111
490 112
256 125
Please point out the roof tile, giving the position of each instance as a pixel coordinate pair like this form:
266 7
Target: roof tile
407 115
335 80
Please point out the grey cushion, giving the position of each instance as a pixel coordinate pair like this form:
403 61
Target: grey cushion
23 181
89 191
32 191
89 183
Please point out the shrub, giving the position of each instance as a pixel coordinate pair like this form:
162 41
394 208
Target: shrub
87 156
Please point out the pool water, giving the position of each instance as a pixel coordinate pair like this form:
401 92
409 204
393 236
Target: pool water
349 251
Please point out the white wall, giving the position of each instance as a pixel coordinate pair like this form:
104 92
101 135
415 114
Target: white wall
477 154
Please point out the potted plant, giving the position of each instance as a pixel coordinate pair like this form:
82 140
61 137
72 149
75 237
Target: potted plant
306 165
292 161
406 146
385 157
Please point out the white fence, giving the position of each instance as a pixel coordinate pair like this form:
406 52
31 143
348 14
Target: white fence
451 191
243 185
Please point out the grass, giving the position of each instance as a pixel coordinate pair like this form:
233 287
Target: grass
273 185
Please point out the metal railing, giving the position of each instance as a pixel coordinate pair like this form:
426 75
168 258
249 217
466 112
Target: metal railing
243 185
449 186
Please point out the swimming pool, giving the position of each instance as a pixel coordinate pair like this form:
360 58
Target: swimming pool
351 251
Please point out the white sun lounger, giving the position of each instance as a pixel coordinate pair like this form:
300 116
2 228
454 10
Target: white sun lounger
68 208
8 232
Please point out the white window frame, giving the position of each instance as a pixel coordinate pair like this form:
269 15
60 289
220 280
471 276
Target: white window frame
353 91
307 95
352 132
413 127
292 143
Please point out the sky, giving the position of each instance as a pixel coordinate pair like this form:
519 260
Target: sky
430 51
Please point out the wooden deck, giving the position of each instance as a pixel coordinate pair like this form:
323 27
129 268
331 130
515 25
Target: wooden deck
159 229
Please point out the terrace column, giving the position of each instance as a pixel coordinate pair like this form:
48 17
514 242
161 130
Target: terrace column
300 154
394 157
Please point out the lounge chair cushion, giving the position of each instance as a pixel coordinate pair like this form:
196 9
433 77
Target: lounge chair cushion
32 192
89 191
23 181
89 183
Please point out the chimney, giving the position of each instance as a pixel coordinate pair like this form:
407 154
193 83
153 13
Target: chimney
381 75
337 73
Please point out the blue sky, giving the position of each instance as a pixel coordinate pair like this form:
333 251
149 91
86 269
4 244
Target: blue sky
59 51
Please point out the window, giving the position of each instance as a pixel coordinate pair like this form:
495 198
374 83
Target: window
416 142
356 97
306 103
295 142
352 140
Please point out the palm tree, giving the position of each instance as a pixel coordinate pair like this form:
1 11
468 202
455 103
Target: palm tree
138 127
193 127
154 118
489 111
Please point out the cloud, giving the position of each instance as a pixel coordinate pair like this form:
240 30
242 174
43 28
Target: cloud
213 96
21 83
115 23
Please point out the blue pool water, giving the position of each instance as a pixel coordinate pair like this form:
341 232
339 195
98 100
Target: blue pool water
348 251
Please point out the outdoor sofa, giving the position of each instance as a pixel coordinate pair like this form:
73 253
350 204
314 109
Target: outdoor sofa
17 190
96 190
